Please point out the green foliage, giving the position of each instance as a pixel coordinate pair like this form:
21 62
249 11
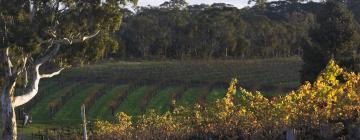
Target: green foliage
261 3
216 31
25 26
174 4
354 6
335 37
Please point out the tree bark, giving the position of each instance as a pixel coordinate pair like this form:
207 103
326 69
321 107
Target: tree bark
8 100
8 112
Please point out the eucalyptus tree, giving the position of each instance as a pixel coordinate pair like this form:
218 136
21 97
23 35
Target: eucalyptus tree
36 33
354 6
335 37
174 4
258 2
261 3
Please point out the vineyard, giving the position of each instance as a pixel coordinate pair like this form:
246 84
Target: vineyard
138 87
327 109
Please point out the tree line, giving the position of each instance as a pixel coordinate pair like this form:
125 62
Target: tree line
176 30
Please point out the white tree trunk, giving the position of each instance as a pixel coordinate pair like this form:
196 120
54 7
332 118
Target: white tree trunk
8 100
31 91
8 112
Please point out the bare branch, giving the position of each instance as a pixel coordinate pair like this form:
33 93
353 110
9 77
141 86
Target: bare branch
31 90
82 39
26 78
69 41
48 56
91 36
51 74
7 62
21 68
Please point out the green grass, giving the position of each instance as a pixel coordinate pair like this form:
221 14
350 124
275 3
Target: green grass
215 94
24 133
70 112
40 112
131 103
101 107
189 97
162 100
44 89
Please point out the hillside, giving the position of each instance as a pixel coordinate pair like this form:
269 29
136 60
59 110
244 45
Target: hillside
137 87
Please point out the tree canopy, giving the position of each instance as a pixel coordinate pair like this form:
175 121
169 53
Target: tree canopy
215 31
220 30
335 37
31 27
35 33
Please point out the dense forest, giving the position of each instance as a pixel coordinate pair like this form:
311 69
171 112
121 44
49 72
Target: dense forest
177 30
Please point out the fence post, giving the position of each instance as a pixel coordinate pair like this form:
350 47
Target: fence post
290 134
83 117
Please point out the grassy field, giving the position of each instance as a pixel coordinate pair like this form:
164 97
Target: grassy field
69 112
127 85
189 97
40 111
215 94
131 105
162 100
253 74
101 106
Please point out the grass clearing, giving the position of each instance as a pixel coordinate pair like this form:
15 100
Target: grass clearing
162 100
101 106
131 104
189 97
40 112
215 94
70 111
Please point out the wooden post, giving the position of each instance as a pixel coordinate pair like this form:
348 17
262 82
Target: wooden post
83 117
290 134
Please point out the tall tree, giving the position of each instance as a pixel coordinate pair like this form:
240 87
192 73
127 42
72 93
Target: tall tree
354 6
335 37
260 3
175 4
35 33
